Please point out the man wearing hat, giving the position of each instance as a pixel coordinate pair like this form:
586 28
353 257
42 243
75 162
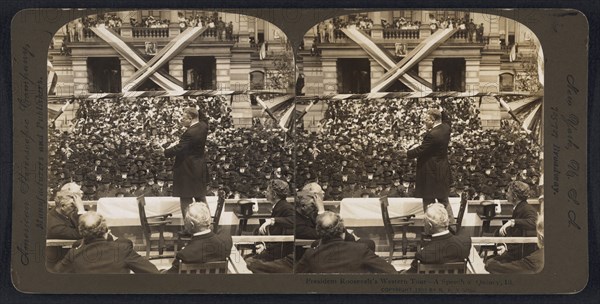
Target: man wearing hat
190 171
280 223
433 168
523 223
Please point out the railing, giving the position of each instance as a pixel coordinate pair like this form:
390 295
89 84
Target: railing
88 33
400 34
148 32
338 34
462 34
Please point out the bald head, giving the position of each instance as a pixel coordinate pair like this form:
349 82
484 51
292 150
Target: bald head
92 225
330 225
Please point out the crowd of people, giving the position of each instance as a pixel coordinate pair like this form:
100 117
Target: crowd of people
106 20
356 152
474 31
111 149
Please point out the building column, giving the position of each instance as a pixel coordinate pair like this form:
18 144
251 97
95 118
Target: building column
127 70
80 76
239 75
489 71
313 76
494 32
377 30
330 76
426 69
243 32
174 17
176 68
472 74
377 71
223 72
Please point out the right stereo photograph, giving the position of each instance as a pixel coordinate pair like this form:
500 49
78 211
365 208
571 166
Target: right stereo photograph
419 145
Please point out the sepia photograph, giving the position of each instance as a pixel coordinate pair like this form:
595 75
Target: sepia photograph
154 112
299 151
424 141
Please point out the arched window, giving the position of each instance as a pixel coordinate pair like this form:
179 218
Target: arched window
257 80
507 82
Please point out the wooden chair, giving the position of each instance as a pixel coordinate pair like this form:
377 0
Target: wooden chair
220 205
461 213
390 224
446 268
153 229
203 268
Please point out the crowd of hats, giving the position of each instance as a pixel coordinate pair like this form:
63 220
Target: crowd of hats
112 149
356 152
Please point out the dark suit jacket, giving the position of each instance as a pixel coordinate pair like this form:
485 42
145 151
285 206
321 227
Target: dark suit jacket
283 213
338 256
442 249
532 263
190 171
204 248
62 227
105 256
433 168
525 218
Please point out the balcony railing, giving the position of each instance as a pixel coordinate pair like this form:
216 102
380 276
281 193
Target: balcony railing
400 34
148 32
88 33
462 34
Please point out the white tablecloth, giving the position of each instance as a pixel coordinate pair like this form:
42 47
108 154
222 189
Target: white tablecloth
366 212
123 211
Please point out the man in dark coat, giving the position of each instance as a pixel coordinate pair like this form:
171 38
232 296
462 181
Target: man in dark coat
523 223
101 252
281 221
63 218
433 168
334 255
299 85
205 246
532 263
190 171
444 247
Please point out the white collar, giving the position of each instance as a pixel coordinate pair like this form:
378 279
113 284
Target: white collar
207 231
195 123
440 233
436 124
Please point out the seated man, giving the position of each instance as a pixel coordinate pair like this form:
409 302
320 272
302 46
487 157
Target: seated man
205 245
304 221
333 255
100 252
522 223
444 247
532 263
64 217
315 191
280 223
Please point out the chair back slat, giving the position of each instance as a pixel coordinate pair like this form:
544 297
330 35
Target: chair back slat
143 219
220 204
461 211
386 218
